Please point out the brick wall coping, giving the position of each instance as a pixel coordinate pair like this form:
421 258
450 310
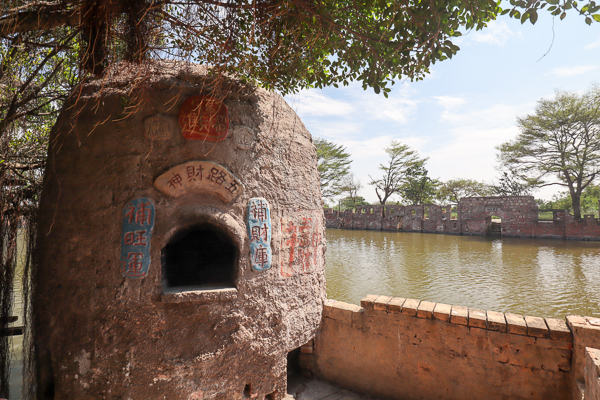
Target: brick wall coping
516 324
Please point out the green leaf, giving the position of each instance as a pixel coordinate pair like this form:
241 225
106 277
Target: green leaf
563 15
533 16
524 17
596 17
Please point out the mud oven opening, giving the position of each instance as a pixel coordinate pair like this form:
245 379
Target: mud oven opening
200 258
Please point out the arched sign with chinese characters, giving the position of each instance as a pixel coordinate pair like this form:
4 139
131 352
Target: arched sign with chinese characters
200 176
138 221
259 231
204 118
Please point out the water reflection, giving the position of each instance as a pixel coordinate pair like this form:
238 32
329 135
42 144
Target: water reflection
550 278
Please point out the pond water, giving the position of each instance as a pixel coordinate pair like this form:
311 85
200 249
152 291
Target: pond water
539 277
548 278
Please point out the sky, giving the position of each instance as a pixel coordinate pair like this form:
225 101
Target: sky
466 106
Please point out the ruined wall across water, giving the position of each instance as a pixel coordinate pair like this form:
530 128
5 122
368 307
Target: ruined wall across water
516 216
395 348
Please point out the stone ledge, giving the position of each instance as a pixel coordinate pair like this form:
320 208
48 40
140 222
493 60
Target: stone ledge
202 296
535 327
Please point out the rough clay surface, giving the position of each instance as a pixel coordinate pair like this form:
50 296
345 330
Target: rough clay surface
104 336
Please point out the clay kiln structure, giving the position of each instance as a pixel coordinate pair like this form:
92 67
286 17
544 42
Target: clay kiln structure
180 250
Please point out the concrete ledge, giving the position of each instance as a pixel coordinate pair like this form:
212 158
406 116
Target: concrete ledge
535 327
201 296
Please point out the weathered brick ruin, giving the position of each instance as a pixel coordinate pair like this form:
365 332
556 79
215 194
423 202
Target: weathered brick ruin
519 217
396 348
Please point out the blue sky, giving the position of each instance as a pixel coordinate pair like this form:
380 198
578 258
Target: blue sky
466 106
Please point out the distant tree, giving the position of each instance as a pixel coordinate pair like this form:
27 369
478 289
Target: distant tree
334 165
418 187
559 144
563 201
401 160
455 189
350 203
512 185
351 185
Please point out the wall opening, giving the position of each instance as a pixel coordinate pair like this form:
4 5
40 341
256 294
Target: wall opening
200 258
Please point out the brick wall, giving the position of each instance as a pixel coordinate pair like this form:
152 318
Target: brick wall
395 348
518 214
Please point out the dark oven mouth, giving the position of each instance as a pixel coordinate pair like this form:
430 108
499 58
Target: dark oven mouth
199 258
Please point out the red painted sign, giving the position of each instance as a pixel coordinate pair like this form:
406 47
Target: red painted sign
204 118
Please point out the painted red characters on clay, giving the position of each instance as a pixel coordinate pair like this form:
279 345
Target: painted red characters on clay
204 118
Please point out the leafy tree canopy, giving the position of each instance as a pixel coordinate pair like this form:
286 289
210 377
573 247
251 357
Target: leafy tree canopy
282 44
402 160
418 187
559 144
563 201
455 189
350 203
334 167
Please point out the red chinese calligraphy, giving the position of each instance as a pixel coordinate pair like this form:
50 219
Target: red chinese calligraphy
174 181
194 172
204 118
217 176
261 256
259 232
304 256
305 228
130 214
258 211
301 244
134 264
142 215
137 238
232 187
291 242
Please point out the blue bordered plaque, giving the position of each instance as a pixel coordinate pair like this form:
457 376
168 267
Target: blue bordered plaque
259 231
138 221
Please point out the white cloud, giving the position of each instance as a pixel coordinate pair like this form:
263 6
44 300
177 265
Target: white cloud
398 107
336 130
473 136
357 104
593 45
313 103
450 101
573 71
497 33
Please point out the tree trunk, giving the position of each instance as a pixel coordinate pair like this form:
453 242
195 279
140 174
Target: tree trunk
576 199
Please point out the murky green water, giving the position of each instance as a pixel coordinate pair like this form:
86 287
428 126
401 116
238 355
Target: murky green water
548 278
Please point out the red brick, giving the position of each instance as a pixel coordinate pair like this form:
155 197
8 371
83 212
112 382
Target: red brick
381 303
558 329
442 312
477 318
367 302
536 327
410 307
395 305
515 323
496 321
459 315
425 309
